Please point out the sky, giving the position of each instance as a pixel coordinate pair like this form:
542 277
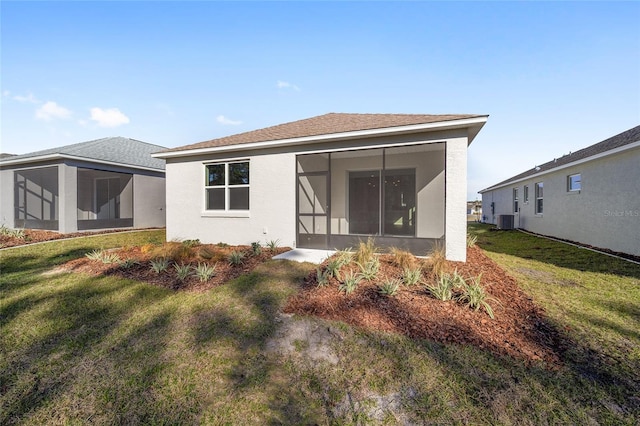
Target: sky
553 77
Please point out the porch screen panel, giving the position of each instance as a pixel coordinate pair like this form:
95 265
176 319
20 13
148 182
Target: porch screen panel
36 198
105 199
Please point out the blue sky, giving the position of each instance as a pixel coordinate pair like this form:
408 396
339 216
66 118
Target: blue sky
554 77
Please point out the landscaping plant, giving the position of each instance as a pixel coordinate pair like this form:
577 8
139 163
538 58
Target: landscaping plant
205 272
159 265
474 296
236 258
350 282
389 287
411 276
182 270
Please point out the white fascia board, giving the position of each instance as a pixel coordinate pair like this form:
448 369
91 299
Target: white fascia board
414 128
72 157
565 166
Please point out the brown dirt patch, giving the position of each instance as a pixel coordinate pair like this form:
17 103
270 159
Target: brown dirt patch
32 236
520 328
141 269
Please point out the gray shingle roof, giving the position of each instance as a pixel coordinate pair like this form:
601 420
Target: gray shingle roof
324 125
125 151
625 138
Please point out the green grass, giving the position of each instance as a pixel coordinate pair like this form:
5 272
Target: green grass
76 349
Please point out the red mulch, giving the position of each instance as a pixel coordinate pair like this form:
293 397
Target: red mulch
141 271
520 328
39 235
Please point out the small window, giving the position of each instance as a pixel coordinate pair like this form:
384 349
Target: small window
539 197
574 182
515 200
525 194
227 186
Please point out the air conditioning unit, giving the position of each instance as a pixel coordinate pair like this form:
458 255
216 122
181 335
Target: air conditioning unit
505 221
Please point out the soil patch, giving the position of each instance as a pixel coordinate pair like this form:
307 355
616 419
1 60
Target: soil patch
520 328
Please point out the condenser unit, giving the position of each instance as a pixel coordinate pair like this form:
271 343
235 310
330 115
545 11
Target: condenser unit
505 221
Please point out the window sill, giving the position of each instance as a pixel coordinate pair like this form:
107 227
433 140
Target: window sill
575 192
239 213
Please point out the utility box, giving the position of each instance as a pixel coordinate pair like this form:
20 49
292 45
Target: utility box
505 221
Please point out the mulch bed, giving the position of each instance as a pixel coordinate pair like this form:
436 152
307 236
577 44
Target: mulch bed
38 236
141 271
520 328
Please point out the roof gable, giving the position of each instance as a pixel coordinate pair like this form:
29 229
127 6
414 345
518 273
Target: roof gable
326 124
119 150
625 138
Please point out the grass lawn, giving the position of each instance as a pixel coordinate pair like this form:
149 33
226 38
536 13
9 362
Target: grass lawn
76 349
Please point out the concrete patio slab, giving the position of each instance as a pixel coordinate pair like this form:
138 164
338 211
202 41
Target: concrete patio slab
306 255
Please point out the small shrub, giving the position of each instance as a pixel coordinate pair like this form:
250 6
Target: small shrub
436 260
365 252
350 282
159 265
403 258
127 263
146 248
323 277
256 249
411 276
191 243
14 233
370 269
445 284
273 245
472 239
103 256
206 253
174 251
222 245
182 271
474 296
344 257
236 258
205 272
333 269
389 287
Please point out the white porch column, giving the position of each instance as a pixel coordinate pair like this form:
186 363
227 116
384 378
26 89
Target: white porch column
68 198
456 200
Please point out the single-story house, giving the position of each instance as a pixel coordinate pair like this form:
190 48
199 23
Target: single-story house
328 182
106 183
591 196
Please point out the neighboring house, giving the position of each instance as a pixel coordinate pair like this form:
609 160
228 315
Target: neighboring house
591 196
105 183
328 182
474 210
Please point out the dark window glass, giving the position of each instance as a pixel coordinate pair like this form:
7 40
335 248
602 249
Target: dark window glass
239 198
215 175
400 202
239 173
215 199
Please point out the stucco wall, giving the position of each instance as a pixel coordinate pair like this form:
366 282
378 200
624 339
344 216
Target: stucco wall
604 213
271 203
148 201
456 199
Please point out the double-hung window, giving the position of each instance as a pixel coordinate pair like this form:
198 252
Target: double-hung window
515 200
525 194
539 197
227 186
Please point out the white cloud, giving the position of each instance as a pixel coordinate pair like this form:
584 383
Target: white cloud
111 117
51 110
287 85
26 99
224 120
6 93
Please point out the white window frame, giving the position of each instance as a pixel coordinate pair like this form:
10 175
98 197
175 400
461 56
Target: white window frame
515 200
227 211
525 194
539 197
569 188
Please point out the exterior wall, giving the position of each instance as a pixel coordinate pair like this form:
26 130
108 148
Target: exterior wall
68 187
272 213
605 213
271 202
148 201
456 199
6 199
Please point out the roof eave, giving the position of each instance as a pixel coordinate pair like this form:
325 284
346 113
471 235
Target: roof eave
564 166
473 123
50 157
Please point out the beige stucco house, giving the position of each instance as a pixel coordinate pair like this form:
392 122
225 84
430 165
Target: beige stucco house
591 196
328 182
